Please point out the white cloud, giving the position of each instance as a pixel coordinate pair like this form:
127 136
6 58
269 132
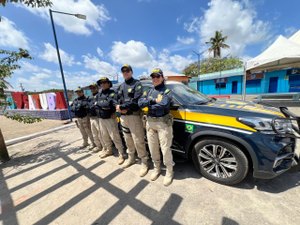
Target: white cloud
179 63
100 52
97 15
102 68
178 20
165 61
186 40
11 36
132 52
236 19
38 78
50 55
290 31
140 56
192 26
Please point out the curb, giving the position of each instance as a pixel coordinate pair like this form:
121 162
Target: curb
28 137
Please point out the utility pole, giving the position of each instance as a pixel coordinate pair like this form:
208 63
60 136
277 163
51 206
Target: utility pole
80 16
198 54
22 88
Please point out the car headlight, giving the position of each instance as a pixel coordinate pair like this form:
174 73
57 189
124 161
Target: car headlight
268 126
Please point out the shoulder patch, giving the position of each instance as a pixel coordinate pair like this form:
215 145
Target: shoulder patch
139 87
167 91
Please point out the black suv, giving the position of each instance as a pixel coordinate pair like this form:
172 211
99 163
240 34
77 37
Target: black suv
226 138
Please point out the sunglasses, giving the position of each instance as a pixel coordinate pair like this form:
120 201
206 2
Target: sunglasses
125 71
155 76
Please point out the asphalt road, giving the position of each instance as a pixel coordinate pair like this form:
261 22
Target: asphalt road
51 181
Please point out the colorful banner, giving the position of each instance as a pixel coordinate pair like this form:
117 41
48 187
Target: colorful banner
31 103
60 101
11 102
18 99
25 102
36 101
43 100
51 99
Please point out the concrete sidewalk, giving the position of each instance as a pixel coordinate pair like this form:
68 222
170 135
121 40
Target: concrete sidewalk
13 129
51 181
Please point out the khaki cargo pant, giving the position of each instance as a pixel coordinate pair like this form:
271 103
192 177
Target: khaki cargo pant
134 135
95 126
110 132
84 126
159 134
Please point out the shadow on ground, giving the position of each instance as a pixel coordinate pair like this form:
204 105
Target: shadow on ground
46 152
278 184
54 149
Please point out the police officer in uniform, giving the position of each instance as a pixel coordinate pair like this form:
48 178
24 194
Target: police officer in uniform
95 127
105 101
129 93
80 108
159 125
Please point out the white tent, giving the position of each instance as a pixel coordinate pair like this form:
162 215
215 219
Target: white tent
295 37
168 73
283 53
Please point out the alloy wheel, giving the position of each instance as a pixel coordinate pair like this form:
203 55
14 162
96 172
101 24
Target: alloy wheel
217 160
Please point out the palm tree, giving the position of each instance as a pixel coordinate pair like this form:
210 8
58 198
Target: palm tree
217 42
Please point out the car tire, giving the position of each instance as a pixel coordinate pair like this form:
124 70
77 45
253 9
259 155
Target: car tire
220 161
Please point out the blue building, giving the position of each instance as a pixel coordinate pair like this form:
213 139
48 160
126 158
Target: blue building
230 82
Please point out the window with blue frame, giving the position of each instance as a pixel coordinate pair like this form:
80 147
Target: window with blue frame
294 83
253 86
253 83
220 85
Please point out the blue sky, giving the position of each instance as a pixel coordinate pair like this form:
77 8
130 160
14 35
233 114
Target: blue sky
143 33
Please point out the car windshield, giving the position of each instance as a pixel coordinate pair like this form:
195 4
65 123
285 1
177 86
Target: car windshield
187 95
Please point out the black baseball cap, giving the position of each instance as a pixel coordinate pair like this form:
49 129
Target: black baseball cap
157 71
78 89
93 85
104 79
126 66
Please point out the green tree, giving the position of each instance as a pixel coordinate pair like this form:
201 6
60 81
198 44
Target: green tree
211 65
217 43
9 62
30 3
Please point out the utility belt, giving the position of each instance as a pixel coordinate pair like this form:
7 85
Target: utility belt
167 119
81 116
136 113
105 114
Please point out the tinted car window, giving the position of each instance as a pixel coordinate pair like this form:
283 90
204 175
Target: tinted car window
186 95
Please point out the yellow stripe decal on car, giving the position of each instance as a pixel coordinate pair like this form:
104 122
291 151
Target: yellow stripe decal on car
227 121
178 114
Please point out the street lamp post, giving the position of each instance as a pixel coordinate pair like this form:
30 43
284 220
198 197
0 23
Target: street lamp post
58 54
199 62
244 82
198 54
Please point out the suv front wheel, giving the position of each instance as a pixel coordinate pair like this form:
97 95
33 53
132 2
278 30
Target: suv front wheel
220 161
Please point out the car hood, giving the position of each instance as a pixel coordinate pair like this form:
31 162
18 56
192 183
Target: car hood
245 106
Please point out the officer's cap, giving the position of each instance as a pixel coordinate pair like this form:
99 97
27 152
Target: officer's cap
126 66
78 89
157 71
93 85
104 79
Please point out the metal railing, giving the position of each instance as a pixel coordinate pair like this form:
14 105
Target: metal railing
277 100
